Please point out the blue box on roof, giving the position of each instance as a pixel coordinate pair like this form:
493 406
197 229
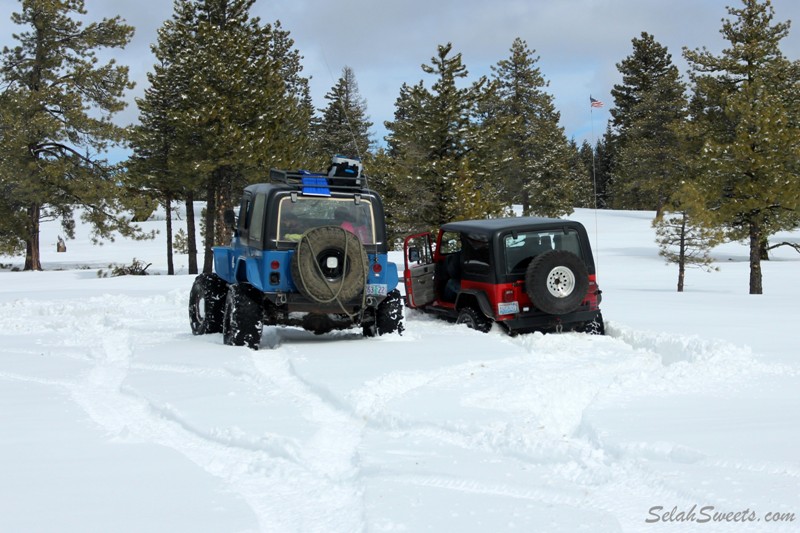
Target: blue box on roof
315 185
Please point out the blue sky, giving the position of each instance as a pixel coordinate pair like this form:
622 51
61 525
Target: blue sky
579 42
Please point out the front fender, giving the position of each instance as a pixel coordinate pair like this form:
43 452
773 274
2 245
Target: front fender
224 263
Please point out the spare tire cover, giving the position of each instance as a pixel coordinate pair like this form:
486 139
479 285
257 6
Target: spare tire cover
330 264
557 282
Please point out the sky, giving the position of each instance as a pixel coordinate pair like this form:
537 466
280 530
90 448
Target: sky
578 42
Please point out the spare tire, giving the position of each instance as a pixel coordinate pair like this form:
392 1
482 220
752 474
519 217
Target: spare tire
557 282
330 264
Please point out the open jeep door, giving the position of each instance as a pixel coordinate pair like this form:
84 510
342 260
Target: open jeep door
419 267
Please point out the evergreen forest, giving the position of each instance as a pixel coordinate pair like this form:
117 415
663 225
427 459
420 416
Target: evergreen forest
714 152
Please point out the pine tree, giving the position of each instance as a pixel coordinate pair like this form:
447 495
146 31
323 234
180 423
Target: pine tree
381 177
153 141
474 197
582 172
433 133
605 154
56 110
153 166
243 105
745 110
344 126
534 151
649 108
683 243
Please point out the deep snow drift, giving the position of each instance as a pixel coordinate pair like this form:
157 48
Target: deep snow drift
685 417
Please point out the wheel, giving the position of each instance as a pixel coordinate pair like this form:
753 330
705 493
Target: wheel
330 264
595 327
389 315
557 282
242 322
207 304
474 319
370 330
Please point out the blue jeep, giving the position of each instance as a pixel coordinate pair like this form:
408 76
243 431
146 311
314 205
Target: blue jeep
308 250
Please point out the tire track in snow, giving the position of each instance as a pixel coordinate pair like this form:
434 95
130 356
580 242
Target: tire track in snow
546 423
607 369
277 486
331 454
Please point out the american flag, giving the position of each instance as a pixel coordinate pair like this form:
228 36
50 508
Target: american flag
595 103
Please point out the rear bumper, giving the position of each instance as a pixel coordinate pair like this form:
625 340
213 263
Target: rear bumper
528 322
293 302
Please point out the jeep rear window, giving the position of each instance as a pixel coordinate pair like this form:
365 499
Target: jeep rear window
520 248
297 217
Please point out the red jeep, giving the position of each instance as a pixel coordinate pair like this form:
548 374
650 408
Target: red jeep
527 274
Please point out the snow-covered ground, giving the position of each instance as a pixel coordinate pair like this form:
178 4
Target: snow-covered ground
685 417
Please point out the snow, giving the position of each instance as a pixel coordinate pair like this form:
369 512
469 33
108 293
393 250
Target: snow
115 418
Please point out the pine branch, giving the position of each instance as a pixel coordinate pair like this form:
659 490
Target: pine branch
794 245
59 149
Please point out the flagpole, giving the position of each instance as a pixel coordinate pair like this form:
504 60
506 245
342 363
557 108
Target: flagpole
594 168
592 104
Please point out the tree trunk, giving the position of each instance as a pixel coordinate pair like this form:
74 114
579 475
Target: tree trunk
32 257
168 209
755 258
210 218
682 254
191 233
764 251
224 202
526 204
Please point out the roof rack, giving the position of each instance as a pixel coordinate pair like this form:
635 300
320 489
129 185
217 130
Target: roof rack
343 174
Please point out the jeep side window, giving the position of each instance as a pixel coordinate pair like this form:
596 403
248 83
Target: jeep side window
257 218
475 250
244 216
451 243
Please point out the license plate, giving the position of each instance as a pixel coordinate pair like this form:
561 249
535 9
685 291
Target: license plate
376 289
510 308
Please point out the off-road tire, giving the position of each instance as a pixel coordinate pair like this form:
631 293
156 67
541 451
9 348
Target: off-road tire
242 322
322 285
594 327
207 304
557 282
370 328
474 319
389 315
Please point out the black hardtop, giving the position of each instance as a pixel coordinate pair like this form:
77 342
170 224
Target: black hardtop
495 226
494 230
274 192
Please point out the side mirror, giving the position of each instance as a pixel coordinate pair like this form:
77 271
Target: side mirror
413 255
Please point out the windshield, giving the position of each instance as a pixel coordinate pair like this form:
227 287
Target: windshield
297 217
519 250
